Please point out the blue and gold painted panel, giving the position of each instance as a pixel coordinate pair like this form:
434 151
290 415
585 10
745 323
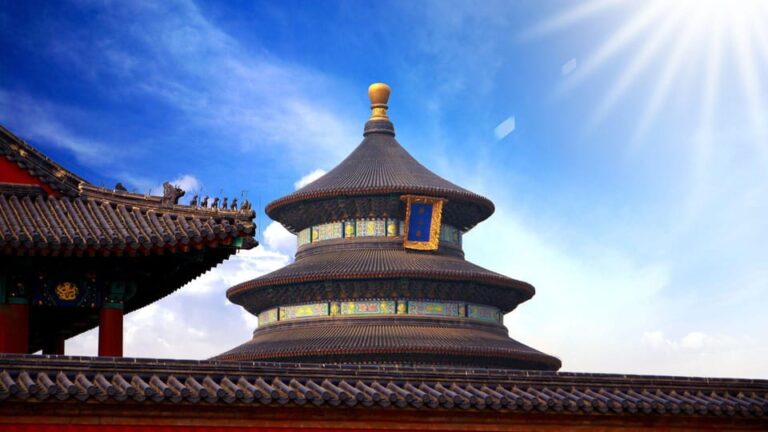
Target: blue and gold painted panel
62 293
304 311
484 313
304 236
372 307
381 307
422 222
329 231
433 308
349 229
268 317
369 228
392 227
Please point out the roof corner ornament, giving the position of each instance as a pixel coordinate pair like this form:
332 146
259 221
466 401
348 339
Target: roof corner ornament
379 95
171 194
423 217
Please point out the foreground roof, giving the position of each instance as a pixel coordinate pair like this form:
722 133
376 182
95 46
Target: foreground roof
56 380
51 210
109 221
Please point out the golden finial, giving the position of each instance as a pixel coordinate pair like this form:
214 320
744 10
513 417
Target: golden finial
379 95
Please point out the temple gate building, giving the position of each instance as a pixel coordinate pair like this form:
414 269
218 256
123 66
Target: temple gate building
379 324
74 256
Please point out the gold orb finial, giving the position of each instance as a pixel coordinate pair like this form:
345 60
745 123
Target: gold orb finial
379 95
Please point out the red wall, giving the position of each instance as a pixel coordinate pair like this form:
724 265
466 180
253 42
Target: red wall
120 428
11 173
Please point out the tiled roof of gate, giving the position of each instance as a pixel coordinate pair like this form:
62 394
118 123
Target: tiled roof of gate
90 224
36 379
80 218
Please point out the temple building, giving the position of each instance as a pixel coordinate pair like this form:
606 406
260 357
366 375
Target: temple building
379 324
380 275
74 256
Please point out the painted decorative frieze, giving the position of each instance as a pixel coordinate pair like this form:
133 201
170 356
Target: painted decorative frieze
381 307
372 307
433 308
368 228
304 311
484 313
304 236
268 317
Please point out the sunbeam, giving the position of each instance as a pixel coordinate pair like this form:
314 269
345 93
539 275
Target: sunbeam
639 63
614 45
571 16
680 45
751 85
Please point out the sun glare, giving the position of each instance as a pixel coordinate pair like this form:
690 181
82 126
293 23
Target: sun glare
666 40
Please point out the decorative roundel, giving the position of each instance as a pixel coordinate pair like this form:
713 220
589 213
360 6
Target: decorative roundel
67 291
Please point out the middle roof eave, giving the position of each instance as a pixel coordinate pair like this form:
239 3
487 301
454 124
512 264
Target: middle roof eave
381 264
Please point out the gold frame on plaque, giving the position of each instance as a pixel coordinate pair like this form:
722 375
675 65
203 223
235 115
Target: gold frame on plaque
434 228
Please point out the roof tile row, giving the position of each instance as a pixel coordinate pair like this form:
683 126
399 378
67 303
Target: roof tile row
74 225
219 383
380 264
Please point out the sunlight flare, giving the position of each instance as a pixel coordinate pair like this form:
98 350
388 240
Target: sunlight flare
671 43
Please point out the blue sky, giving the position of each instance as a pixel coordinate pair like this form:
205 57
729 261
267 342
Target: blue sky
624 144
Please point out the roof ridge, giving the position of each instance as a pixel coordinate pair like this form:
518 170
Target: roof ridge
37 164
155 202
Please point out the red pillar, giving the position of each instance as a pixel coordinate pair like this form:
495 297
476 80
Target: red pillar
111 332
54 345
14 328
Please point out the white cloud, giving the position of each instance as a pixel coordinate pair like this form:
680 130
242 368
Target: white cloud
504 128
277 238
189 183
252 99
592 309
309 178
244 266
702 354
569 66
192 323
692 341
39 120
250 320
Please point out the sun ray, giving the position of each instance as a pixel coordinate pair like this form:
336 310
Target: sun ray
668 75
616 42
751 85
704 138
672 46
639 63
759 22
570 17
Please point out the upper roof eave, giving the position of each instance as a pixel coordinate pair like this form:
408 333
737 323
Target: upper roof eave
379 165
